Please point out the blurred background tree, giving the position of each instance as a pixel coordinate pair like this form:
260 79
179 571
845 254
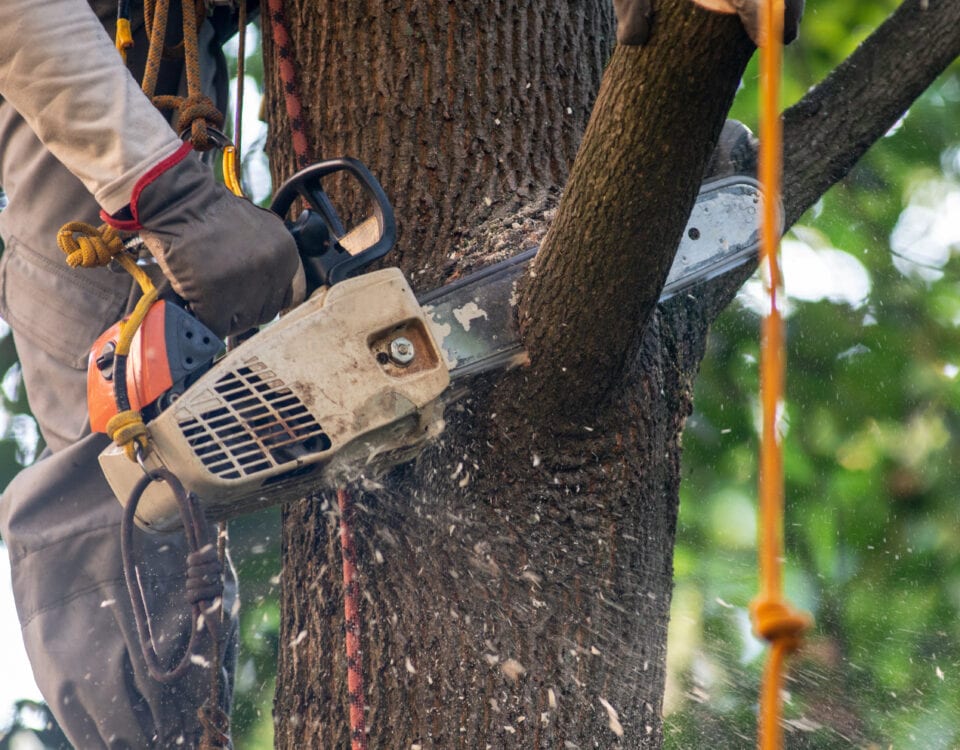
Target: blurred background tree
873 524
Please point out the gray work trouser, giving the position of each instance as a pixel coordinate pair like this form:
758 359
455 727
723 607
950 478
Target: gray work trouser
58 518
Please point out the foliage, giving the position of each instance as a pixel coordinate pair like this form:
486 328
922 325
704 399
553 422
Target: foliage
33 726
873 543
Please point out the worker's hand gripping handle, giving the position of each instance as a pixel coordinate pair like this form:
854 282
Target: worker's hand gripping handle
331 252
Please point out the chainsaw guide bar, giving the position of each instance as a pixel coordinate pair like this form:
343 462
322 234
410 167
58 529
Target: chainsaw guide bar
350 382
473 318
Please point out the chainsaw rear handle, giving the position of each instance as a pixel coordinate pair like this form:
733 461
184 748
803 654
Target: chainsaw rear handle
330 252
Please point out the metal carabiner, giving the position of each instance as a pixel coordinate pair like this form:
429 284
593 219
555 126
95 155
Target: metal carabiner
139 455
228 159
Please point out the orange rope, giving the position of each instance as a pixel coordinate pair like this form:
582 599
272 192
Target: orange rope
351 609
774 620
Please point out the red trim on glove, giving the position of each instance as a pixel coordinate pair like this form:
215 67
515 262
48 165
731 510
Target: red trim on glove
133 225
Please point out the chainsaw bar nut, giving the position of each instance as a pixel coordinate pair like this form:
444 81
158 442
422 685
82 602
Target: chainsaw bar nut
401 350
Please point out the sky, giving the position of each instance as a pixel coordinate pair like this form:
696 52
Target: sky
17 678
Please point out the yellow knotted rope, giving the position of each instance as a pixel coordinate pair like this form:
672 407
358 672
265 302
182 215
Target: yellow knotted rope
196 112
87 246
774 619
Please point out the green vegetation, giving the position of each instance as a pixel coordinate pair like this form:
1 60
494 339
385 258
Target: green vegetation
873 539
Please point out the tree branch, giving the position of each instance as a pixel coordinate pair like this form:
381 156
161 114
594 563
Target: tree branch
604 260
831 128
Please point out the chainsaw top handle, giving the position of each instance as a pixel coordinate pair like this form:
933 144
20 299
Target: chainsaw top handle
329 251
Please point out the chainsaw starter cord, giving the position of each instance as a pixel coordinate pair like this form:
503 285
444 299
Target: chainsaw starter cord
773 618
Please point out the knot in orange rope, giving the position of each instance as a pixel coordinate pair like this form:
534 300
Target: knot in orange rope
87 246
196 112
777 622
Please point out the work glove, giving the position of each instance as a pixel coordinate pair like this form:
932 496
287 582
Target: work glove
234 264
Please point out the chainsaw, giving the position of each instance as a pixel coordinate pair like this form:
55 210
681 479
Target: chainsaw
351 381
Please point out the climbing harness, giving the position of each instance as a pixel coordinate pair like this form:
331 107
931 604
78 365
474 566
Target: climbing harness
773 618
198 119
197 116
195 111
87 246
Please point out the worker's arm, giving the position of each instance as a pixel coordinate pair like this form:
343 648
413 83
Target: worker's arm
232 262
61 72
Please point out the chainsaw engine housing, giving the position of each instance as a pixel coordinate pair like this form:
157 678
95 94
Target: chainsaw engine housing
346 384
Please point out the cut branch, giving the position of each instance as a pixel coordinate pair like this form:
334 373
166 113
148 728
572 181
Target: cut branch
603 263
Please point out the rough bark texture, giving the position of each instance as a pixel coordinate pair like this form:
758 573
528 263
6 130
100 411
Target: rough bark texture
605 259
517 577
466 111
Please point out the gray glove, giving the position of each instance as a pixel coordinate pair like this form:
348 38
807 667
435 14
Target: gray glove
232 262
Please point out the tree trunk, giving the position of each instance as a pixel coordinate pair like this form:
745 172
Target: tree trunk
517 576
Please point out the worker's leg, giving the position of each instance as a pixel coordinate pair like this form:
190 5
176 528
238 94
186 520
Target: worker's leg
61 525
58 518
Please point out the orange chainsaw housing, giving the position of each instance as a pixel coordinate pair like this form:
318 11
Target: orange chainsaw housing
148 368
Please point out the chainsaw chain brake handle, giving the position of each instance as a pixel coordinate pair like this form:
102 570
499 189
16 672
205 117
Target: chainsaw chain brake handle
329 251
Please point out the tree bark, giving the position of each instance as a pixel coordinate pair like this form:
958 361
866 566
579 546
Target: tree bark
516 577
466 111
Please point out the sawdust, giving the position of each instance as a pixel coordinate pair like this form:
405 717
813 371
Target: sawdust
502 237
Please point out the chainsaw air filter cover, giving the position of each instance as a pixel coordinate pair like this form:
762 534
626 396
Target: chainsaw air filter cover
344 385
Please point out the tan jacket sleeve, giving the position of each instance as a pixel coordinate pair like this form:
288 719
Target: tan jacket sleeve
61 72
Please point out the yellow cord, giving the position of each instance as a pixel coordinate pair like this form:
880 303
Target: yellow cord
127 430
87 246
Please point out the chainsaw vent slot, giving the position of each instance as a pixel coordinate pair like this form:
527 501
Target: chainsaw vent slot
260 424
